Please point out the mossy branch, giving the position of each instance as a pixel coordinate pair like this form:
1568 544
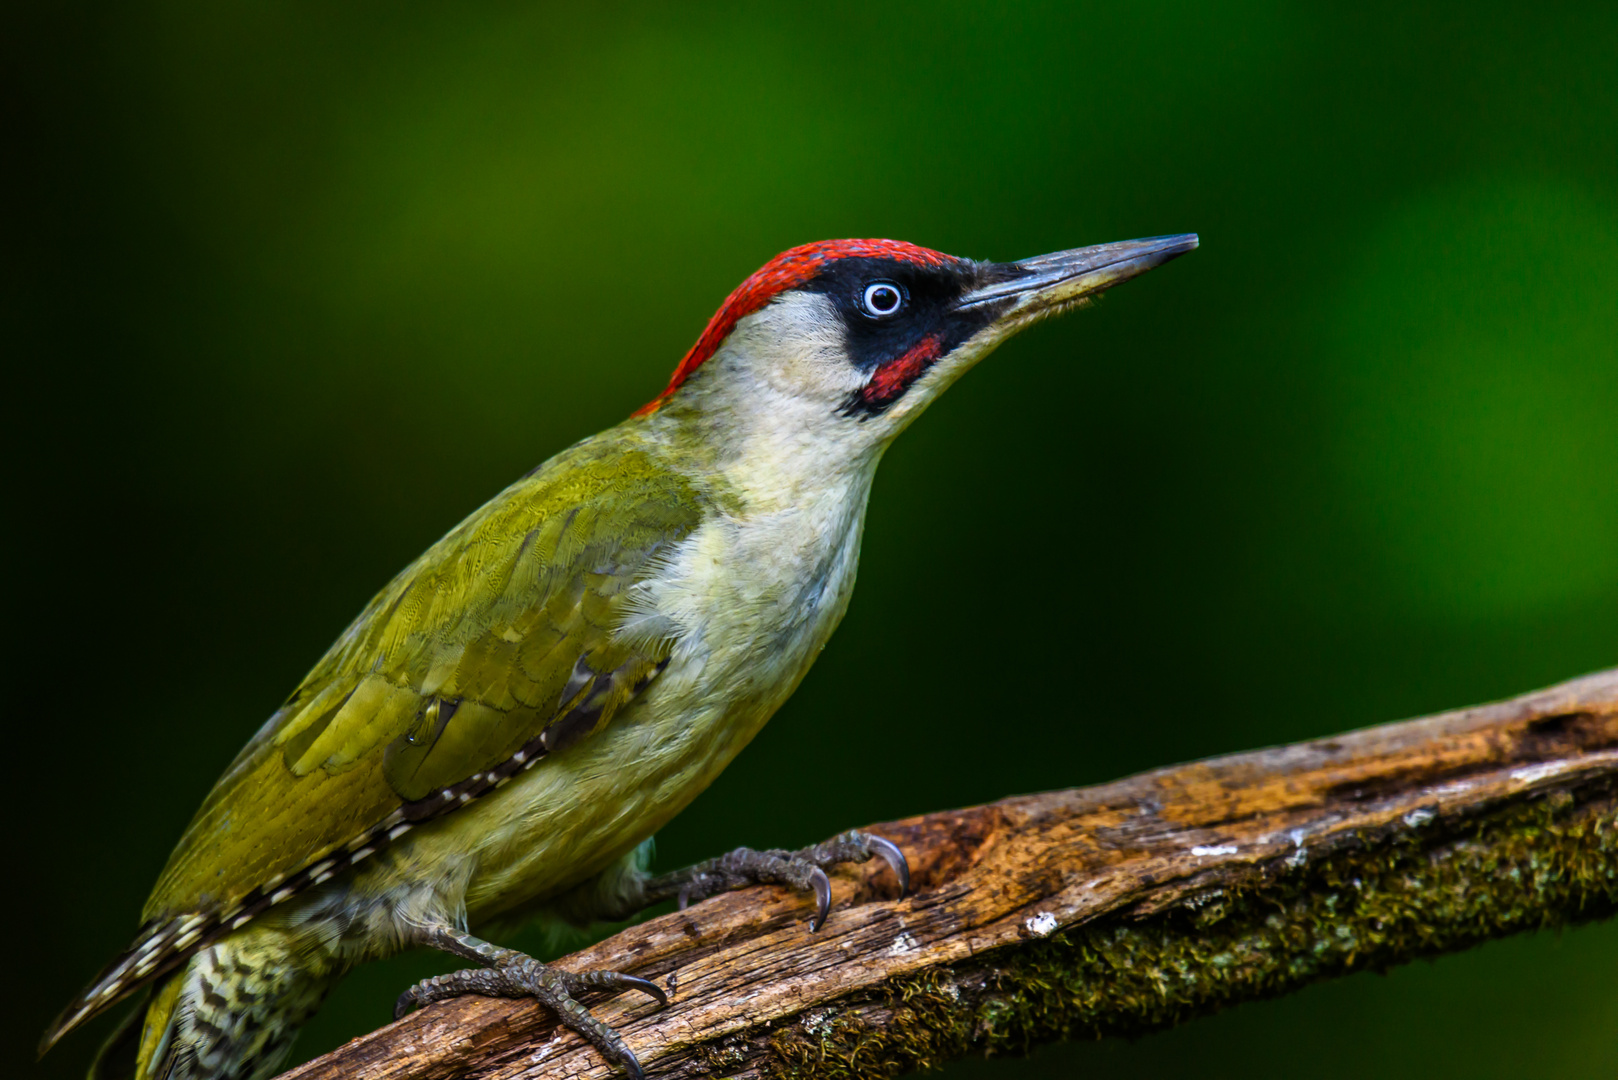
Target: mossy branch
1108 910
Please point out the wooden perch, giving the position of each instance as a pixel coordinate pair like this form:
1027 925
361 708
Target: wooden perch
1113 909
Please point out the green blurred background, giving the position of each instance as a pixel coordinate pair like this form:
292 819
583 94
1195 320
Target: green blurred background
292 287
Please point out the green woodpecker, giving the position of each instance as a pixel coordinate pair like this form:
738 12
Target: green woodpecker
504 726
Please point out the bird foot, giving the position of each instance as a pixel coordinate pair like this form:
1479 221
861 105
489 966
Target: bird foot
804 869
514 974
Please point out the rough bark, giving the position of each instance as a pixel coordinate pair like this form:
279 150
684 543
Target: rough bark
1113 909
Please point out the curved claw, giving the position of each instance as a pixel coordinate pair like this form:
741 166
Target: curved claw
631 1065
894 858
645 986
614 981
822 886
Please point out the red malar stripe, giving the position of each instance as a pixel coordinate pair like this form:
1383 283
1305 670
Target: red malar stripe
894 377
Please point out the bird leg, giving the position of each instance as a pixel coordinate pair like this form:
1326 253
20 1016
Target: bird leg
508 973
803 869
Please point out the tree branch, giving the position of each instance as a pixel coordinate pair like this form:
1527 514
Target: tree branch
1113 909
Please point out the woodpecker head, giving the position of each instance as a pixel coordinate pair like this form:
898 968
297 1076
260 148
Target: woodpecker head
844 342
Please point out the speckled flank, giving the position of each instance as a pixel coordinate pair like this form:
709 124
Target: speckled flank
233 1011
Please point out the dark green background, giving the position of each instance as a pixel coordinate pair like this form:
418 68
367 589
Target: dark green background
292 287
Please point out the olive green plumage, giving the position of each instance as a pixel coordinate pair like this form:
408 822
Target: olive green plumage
494 621
506 624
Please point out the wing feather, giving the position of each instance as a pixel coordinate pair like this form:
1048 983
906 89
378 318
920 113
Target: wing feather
495 648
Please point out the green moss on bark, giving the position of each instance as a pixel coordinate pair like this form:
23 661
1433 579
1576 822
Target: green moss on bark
1434 887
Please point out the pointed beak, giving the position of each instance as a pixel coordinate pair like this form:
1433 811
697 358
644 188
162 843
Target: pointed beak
1049 284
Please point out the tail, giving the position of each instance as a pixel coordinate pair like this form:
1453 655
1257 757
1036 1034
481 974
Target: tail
231 1013
159 948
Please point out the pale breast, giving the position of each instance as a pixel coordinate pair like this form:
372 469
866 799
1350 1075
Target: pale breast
749 602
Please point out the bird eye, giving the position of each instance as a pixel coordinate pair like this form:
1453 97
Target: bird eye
882 298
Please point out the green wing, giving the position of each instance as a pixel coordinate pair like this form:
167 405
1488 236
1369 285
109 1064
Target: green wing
499 638
492 650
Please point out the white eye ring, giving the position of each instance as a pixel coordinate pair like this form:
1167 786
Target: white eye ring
882 298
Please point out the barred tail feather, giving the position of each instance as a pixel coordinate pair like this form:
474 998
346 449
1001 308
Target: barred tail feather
228 1010
158 949
164 944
